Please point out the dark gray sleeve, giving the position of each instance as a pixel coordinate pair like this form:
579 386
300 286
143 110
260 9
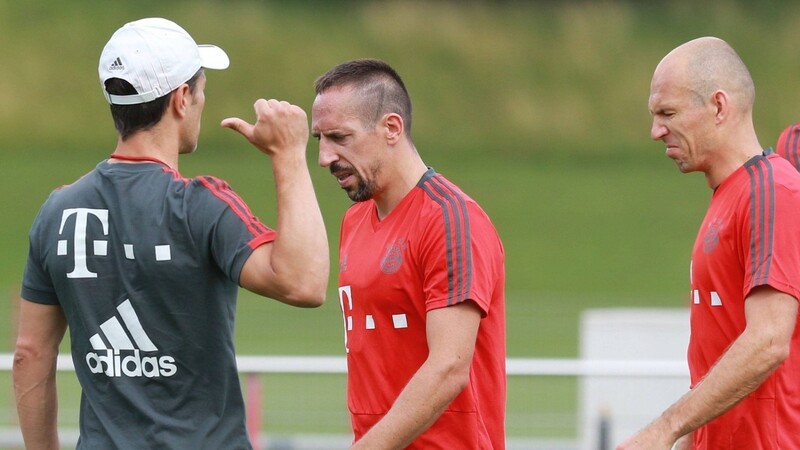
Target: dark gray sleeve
37 286
233 232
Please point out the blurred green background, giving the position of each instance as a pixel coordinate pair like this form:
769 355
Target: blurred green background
538 110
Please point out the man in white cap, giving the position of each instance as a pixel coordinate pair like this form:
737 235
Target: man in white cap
144 265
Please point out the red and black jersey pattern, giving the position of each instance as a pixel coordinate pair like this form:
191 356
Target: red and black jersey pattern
788 144
223 191
762 217
457 235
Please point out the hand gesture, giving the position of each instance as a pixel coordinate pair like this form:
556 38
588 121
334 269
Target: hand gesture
280 128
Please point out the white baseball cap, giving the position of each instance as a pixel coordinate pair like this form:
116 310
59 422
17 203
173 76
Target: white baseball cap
156 56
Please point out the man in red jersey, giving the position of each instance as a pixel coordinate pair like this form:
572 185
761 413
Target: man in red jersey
744 350
421 280
789 144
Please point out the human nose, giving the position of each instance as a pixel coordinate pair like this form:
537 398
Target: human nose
326 156
657 130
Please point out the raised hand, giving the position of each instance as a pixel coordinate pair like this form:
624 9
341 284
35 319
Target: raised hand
280 127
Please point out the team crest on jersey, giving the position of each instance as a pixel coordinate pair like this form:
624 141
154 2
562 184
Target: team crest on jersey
711 238
393 258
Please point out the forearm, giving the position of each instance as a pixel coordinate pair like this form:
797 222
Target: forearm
739 372
41 328
300 256
752 357
294 269
36 400
421 402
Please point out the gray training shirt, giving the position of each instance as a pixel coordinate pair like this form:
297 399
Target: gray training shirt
145 265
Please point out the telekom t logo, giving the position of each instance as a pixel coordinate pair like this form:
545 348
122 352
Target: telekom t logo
80 240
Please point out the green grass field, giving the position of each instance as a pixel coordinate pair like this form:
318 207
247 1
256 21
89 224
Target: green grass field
538 111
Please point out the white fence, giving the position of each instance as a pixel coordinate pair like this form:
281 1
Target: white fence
254 366
632 365
514 366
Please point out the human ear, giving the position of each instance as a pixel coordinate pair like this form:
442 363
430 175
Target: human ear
722 105
393 124
181 99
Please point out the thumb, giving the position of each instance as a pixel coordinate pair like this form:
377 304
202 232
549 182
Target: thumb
236 124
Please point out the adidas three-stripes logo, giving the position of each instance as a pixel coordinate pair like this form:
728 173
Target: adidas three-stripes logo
119 345
116 335
116 65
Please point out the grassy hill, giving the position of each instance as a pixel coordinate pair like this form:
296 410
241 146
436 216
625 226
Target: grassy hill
538 110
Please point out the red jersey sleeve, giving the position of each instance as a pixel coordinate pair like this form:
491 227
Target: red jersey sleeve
773 256
461 253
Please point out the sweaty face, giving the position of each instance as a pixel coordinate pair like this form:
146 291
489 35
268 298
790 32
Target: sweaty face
682 120
348 147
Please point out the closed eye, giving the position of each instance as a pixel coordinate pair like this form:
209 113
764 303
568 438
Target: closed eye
336 137
664 112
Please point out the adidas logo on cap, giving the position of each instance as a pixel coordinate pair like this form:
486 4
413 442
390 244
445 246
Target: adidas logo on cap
116 65
159 57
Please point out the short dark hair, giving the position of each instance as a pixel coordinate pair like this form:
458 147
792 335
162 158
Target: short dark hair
130 119
381 88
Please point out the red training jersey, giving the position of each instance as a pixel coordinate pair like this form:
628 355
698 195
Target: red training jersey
788 144
750 237
436 249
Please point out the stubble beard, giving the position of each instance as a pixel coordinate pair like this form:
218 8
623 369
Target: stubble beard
363 191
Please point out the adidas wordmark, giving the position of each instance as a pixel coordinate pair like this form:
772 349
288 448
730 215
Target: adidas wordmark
126 357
